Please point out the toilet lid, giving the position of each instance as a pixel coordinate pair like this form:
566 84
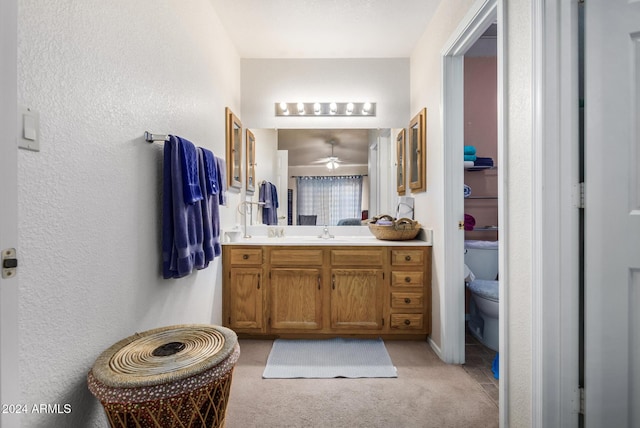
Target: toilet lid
485 288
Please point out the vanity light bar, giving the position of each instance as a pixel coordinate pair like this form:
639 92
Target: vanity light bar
325 109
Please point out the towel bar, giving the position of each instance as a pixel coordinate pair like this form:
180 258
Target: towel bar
150 138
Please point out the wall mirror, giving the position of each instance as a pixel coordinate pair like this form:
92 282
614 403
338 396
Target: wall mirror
400 162
234 149
251 163
331 152
417 152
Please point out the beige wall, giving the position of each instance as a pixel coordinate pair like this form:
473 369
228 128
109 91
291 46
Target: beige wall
426 91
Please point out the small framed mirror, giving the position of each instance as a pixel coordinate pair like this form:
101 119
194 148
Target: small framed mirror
234 149
251 163
417 152
400 162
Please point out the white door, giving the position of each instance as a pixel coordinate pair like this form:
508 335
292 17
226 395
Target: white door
612 213
9 371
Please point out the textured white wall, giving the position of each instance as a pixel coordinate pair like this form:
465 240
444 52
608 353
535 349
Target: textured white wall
519 219
267 81
100 74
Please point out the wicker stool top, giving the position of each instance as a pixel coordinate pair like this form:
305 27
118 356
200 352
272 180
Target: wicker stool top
164 355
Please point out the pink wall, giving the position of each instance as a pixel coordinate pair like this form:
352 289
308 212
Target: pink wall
481 131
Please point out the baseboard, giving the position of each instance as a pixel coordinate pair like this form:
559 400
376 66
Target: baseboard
435 348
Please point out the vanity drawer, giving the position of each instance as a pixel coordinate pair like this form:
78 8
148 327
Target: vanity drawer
407 257
407 300
246 256
357 257
407 321
407 279
295 257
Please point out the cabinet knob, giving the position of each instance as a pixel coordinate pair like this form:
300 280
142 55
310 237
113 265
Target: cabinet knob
407 300
407 322
407 279
407 258
245 256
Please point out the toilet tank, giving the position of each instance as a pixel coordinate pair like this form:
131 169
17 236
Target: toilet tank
482 258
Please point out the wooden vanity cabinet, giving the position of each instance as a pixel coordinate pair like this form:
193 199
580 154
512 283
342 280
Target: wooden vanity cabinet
295 289
327 291
357 288
243 289
410 289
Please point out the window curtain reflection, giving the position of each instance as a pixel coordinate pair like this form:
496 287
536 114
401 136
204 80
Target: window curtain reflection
331 198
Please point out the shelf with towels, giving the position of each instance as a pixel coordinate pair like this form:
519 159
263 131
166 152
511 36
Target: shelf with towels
484 229
478 168
481 197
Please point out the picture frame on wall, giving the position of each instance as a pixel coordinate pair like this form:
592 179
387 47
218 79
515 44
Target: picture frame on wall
400 162
417 152
234 149
250 182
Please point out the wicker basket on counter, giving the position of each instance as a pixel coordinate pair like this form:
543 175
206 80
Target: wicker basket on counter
391 229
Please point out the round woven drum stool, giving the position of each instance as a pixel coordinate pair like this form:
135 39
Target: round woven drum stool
177 376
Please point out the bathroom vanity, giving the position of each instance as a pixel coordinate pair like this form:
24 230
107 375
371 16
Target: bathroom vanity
357 287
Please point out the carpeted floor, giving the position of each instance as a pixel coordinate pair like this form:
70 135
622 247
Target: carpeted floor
426 393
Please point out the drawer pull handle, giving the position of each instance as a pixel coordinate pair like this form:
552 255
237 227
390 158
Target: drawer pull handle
407 300
407 322
407 279
245 256
407 258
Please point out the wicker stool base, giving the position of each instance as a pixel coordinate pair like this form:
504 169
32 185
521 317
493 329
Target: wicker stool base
176 376
202 408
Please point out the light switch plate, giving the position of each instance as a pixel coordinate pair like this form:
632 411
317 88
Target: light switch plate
29 129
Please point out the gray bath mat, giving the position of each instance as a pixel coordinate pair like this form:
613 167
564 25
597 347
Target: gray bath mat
329 358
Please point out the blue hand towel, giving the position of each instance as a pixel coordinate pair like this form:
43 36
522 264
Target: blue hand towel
469 150
471 158
210 212
221 167
189 163
210 173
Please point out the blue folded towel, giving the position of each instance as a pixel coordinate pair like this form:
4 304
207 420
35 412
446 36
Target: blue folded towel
470 158
483 161
469 150
189 161
182 233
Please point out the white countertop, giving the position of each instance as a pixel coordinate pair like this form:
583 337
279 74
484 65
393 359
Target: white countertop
309 236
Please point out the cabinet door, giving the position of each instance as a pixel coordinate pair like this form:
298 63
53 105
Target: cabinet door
296 299
245 299
357 299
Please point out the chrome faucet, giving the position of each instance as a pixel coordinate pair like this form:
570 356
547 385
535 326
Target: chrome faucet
247 211
325 233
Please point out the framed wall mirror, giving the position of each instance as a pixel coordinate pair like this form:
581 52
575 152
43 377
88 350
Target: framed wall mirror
234 149
250 181
417 152
400 162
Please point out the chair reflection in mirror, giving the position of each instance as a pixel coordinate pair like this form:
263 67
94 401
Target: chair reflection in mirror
307 220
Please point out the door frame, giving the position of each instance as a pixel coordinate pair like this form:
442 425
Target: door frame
9 369
555 215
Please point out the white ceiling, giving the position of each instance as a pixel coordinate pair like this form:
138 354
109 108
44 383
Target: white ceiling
325 28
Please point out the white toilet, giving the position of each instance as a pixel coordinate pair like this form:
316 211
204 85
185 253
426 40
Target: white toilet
481 257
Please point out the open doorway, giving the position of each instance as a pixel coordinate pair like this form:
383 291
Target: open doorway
483 15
